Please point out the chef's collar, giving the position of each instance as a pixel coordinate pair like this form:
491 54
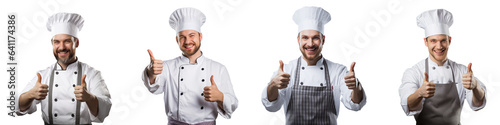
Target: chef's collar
303 62
185 60
70 66
432 63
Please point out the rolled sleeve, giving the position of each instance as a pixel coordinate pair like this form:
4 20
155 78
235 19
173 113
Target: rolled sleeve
157 87
230 102
469 97
100 90
273 106
410 84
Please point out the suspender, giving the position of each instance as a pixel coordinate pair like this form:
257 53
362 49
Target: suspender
78 103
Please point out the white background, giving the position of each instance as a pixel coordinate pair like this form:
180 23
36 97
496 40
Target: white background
249 37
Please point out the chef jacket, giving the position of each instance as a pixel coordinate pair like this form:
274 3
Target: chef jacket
413 78
63 97
314 76
182 85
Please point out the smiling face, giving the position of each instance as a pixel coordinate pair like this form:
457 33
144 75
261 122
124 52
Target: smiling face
64 48
189 42
438 47
310 44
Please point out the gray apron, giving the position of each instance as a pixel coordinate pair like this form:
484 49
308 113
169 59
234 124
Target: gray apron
78 103
172 121
444 107
311 105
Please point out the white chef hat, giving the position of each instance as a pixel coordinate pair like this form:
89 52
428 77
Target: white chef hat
65 23
435 22
187 19
311 18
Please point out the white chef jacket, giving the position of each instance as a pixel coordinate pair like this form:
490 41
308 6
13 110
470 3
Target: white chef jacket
314 76
413 78
63 91
182 84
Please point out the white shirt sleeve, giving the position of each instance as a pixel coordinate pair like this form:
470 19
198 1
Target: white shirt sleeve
275 105
230 102
28 87
410 84
346 93
98 88
160 81
469 94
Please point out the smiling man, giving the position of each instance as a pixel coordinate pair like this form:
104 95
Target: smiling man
310 87
434 90
70 91
196 89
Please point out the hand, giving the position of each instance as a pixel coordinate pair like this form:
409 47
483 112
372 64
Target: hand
81 92
427 89
468 79
350 78
39 91
281 80
156 65
212 93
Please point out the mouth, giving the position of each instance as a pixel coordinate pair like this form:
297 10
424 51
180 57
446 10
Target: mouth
63 52
310 50
439 52
189 46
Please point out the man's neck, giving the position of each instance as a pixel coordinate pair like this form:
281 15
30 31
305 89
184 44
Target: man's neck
64 66
192 58
439 63
312 62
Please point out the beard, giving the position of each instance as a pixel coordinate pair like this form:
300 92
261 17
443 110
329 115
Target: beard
196 49
67 60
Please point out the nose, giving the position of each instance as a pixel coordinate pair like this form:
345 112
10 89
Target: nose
309 42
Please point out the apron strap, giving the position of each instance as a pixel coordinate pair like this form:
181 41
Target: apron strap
78 103
50 93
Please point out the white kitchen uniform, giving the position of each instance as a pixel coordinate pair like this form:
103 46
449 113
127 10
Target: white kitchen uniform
182 84
413 78
64 103
315 76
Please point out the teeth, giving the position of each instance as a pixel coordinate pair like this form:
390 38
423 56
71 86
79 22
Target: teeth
311 49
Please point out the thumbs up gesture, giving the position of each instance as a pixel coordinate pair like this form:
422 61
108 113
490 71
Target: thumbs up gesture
39 91
350 78
81 92
212 93
281 80
427 89
156 65
468 79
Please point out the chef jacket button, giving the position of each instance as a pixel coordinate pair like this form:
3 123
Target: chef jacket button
73 99
202 94
447 67
433 68
72 115
321 84
57 73
76 72
73 85
56 85
55 99
202 69
182 93
301 83
55 114
321 68
182 79
182 67
202 107
303 68
202 80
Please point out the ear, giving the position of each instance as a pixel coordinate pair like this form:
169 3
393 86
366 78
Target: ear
177 39
323 42
449 40
77 43
425 41
201 36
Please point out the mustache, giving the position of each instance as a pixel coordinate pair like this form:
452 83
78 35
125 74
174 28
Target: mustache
63 50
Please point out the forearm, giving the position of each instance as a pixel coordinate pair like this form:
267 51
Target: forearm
151 76
220 104
93 105
25 101
414 101
478 96
357 94
272 93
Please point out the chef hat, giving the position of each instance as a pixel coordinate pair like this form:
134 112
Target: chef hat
435 22
65 23
187 19
311 18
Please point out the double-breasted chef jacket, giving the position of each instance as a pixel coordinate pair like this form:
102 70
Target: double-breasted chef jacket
63 98
182 85
413 78
314 76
